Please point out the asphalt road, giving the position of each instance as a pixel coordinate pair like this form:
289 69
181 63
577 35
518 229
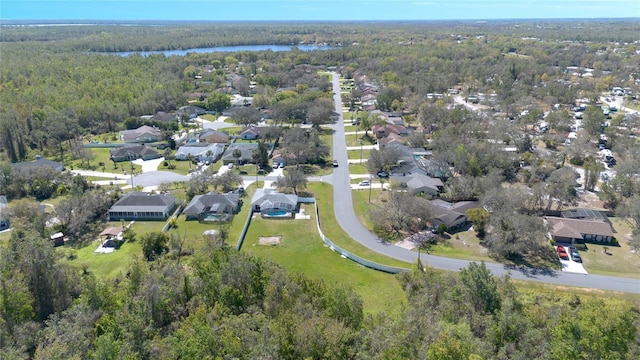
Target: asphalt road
346 217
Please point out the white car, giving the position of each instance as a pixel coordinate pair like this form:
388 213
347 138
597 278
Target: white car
364 183
230 166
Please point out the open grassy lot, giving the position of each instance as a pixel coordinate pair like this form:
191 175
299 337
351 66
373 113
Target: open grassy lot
353 140
102 156
357 154
358 169
301 250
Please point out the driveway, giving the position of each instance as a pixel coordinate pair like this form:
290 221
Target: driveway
149 165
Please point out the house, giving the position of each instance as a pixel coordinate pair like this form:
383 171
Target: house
200 151
420 184
213 136
390 139
249 133
213 207
39 162
5 222
141 135
567 230
272 204
385 130
191 111
164 117
246 153
142 206
452 215
130 152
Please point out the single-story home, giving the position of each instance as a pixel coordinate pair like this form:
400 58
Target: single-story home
272 204
213 136
381 131
452 215
200 151
213 207
191 111
40 161
568 230
164 117
249 133
246 153
5 222
129 152
143 134
142 206
420 184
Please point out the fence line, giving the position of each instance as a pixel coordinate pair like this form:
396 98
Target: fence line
364 262
244 230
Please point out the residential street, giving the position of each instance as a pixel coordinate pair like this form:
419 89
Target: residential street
346 217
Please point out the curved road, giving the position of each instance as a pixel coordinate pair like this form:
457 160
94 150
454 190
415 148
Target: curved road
346 217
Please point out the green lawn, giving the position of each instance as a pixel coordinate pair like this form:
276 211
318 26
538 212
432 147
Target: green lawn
209 117
357 154
102 155
353 140
358 169
301 250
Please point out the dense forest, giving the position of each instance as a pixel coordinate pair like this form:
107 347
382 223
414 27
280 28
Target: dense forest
224 304
58 89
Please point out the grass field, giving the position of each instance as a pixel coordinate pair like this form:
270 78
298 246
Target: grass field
355 154
301 250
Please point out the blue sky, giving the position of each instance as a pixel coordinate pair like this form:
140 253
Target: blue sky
226 10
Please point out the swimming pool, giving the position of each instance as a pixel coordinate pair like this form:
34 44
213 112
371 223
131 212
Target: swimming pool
277 214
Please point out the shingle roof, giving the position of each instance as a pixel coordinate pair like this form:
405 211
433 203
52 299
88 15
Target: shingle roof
140 201
563 227
269 198
212 202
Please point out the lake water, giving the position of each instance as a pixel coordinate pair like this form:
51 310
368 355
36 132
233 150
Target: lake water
224 49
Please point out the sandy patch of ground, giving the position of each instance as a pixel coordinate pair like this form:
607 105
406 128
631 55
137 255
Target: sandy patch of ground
269 240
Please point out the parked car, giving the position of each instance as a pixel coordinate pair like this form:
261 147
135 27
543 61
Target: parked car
335 163
281 166
382 174
364 183
575 256
230 166
562 253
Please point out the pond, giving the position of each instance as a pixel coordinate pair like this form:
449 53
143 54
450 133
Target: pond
237 48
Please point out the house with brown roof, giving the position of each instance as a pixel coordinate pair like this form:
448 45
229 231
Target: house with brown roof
213 207
568 230
213 136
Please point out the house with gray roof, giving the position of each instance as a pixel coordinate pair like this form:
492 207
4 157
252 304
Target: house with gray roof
141 135
419 183
213 207
200 151
191 111
246 153
452 215
39 162
130 152
272 204
142 206
5 222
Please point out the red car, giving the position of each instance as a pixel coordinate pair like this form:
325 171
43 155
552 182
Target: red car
562 253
